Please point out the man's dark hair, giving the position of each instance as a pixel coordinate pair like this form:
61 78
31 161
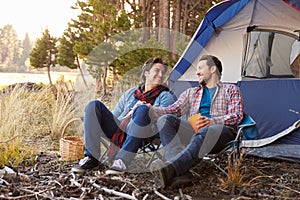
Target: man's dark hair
213 61
149 63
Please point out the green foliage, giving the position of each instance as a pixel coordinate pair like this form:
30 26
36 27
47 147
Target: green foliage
125 51
66 55
182 44
44 52
13 153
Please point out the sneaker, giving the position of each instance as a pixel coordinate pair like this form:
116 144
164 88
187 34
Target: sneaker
163 173
86 164
118 167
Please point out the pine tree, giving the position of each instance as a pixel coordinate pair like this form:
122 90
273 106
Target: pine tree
66 55
26 48
98 22
44 53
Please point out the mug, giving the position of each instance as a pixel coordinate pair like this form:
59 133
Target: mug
193 119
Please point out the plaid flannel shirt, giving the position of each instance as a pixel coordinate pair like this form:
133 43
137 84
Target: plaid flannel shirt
227 105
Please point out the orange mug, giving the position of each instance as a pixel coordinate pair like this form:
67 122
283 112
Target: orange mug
193 119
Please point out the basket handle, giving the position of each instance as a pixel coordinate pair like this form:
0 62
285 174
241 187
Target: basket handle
67 125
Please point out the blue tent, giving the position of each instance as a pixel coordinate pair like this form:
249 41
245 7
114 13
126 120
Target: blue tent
258 42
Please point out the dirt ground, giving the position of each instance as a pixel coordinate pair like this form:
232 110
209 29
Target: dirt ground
49 178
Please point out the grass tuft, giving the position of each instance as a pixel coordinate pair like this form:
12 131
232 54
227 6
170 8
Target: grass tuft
13 153
235 173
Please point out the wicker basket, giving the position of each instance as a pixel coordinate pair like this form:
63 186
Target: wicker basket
71 147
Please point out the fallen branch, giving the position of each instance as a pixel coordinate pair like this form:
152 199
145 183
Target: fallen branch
28 195
296 191
109 191
257 177
274 197
120 179
161 195
181 193
145 197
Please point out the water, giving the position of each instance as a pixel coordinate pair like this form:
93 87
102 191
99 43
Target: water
12 78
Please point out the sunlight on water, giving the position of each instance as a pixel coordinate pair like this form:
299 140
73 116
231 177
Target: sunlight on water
7 79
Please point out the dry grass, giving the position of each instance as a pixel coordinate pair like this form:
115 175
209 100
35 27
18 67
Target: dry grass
13 153
28 115
235 172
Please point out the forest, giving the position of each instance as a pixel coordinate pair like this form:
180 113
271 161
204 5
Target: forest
115 35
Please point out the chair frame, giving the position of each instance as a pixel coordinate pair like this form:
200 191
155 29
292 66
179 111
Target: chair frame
233 147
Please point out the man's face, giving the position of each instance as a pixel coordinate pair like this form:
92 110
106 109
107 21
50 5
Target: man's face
155 75
204 72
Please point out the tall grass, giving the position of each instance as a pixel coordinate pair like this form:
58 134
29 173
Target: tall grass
27 117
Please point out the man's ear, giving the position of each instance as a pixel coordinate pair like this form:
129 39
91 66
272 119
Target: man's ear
213 69
146 73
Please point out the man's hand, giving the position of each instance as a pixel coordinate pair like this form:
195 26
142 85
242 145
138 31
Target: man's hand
203 122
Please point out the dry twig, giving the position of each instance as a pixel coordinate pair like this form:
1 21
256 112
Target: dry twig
161 195
109 191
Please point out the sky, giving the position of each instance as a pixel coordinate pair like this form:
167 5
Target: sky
34 16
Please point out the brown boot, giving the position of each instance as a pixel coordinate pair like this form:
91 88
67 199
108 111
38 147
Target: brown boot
183 180
163 173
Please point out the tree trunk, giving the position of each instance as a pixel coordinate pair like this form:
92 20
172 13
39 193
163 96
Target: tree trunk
147 18
155 19
53 88
81 73
185 18
49 76
164 23
176 28
104 72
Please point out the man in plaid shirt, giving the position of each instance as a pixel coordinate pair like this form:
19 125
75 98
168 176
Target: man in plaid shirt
221 108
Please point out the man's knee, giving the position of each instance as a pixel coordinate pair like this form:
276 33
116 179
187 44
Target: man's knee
166 120
212 133
141 110
214 129
93 104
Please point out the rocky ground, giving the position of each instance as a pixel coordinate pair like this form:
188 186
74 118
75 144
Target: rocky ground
47 177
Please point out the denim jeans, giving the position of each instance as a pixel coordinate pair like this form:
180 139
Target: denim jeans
173 131
141 126
168 125
98 122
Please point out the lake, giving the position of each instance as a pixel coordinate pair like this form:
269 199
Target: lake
42 77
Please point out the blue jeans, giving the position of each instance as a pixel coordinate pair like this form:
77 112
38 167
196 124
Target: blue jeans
98 122
168 125
173 131
141 126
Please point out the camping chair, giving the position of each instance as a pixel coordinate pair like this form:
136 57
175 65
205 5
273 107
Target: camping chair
246 129
150 150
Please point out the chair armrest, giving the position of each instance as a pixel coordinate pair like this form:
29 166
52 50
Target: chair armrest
247 127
